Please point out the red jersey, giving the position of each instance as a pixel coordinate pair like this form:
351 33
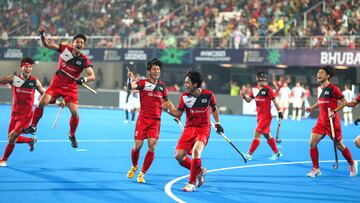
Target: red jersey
263 98
23 95
197 108
70 64
329 98
357 98
151 98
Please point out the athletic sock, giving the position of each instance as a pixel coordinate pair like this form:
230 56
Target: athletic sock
194 170
132 116
38 112
347 155
254 144
186 163
134 157
8 150
74 122
314 154
23 139
272 144
127 114
149 158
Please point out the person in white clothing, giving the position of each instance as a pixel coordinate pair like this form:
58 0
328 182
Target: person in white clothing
284 95
349 96
298 92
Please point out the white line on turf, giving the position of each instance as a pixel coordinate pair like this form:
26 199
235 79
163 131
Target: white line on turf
168 186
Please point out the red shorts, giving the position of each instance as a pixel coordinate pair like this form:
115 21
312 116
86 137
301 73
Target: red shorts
190 135
324 129
18 122
70 94
147 128
263 125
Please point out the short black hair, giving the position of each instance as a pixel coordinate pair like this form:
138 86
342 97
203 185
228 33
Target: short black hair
261 75
153 61
27 60
329 70
80 35
195 77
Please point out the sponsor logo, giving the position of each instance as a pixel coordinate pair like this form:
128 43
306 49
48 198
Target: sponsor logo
154 95
204 100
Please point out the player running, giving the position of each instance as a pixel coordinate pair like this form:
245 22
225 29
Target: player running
328 98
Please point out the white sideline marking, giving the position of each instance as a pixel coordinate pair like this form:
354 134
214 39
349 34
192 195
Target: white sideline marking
81 150
168 186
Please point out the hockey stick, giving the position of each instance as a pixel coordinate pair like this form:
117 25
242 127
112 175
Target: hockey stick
229 141
177 120
57 117
278 140
335 166
84 85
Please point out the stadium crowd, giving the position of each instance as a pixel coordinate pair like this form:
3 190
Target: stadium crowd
184 24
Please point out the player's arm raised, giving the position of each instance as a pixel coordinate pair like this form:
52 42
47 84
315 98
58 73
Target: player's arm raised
247 98
7 79
47 43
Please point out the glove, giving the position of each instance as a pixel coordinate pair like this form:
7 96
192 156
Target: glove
356 122
219 128
280 115
81 81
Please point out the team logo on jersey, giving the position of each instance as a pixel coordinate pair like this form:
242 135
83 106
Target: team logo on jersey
161 88
262 92
326 92
78 63
31 84
204 100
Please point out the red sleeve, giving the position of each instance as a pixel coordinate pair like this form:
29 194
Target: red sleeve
87 63
165 94
358 97
337 93
141 84
61 48
271 93
181 105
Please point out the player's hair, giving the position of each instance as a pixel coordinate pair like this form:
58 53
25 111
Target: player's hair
80 35
329 70
153 61
195 77
261 75
27 60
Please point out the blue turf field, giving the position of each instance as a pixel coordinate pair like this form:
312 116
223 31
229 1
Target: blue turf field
96 172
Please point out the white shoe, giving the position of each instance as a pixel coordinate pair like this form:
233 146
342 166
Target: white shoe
248 156
354 169
190 187
3 163
32 143
314 172
275 156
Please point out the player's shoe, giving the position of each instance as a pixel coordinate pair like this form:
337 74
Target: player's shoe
141 177
201 177
32 143
248 156
3 163
314 172
190 187
275 156
132 171
30 129
354 169
73 141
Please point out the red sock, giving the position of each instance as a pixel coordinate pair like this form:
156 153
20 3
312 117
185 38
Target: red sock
8 150
23 139
186 163
347 155
314 154
194 170
134 157
74 122
36 117
255 143
149 158
272 144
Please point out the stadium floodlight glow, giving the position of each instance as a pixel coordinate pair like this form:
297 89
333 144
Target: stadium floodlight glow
341 67
281 66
